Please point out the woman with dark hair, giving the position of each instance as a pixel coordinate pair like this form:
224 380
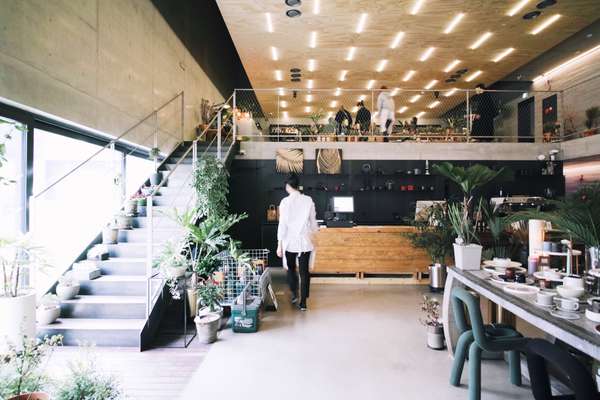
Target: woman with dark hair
297 223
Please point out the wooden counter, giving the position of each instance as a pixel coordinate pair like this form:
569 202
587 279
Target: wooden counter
368 250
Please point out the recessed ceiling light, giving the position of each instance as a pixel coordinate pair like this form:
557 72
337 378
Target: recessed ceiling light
370 84
532 15
419 115
316 6
451 66
434 104
415 98
307 109
480 40
309 98
395 92
473 76
293 13
310 84
431 84
547 22
278 75
361 22
567 63
269 22
426 54
312 64
450 92
455 76
293 3
462 71
296 75
408 75
338 91
545 3
416 7
450 80
274 54
295 79
281 92
455 21
343 74
351 52
283 103
313 40
503 54
396 40
295 70
381 65
402 109
333 104
517 7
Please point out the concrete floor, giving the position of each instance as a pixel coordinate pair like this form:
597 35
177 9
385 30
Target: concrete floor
355 342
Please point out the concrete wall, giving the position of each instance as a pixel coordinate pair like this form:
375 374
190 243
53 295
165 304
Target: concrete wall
104 64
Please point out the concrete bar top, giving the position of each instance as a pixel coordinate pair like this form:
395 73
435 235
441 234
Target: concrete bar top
578 333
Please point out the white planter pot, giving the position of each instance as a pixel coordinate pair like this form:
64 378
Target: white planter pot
110 235
207 327
467 257
205 311
123 221
17 319
130 207
47 316
67 292
435 337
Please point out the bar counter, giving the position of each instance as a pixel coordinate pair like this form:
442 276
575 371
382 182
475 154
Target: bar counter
364 250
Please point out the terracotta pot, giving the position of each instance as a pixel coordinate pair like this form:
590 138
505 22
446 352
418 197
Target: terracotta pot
31 396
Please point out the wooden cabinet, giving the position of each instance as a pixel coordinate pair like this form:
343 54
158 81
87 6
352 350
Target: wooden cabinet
368 250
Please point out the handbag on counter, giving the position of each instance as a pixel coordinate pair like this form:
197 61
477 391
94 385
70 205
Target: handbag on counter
272 213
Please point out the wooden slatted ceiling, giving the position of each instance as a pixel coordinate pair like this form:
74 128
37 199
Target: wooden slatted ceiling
337 20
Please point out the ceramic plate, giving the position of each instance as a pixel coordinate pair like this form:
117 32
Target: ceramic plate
497 279
542 275
565 314
594 272
501 270
498 264
521 290
590 299
542 305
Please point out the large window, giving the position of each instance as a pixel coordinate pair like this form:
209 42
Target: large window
137 170
12 178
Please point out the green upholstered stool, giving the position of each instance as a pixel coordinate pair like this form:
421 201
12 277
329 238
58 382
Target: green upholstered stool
478 337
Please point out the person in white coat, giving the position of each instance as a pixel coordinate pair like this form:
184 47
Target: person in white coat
385 109
297 223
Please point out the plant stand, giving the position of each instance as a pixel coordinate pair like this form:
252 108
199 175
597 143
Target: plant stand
178 339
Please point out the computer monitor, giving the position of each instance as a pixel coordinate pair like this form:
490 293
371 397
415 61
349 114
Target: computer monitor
342 204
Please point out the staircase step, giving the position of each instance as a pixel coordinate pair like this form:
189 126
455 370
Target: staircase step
184 199
115 307
123 266
115 285
131 250
140 235
159 221
98 331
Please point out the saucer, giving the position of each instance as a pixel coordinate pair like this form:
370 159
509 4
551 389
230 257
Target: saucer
542 305
565 314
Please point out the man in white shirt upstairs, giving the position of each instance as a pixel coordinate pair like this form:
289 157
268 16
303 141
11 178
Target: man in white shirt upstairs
297 223
385 109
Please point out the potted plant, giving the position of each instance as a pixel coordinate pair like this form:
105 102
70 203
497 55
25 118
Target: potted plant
18 260
110 233
141 204
173 261
68 287
130 207
467 253
21 369
435 330
85 381
156 177
209 316
48 309
123 220
591 120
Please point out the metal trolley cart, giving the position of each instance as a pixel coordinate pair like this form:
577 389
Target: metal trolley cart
235 277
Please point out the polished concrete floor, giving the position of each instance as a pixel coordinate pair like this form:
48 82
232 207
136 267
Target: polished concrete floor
355 342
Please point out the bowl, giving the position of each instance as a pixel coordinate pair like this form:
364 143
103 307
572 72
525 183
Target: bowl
592 316
521 290
501 262
570 291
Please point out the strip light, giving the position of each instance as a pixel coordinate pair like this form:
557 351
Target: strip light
419 115
278 75
338 91
545 24
451 66
281 92
361 22
415 98
351 52
312 64
309 84
283 103
402 109
434 104
361 97
455 21
333 104
316 7
286 115
307 109
269 23
343 74
370 84
503 54
450 92
396 40
395 92
567 63
416 7
481 40
408 75
313 40
517 7
426 54
274 54
431 84
309 98
473 76
381 65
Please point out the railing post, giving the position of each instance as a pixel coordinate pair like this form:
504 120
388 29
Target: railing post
194 153
469 116
219 134
234 115
182 122
149 251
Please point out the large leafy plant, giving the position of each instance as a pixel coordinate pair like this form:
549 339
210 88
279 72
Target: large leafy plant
13 126
210 295
434 233
212 187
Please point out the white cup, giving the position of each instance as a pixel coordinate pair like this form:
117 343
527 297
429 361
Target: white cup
544 298
567 303
573 281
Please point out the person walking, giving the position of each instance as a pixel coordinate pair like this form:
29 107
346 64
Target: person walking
297 223
344 120
385 109
484 110
363 118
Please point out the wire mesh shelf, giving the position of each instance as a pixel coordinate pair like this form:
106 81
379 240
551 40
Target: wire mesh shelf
236 276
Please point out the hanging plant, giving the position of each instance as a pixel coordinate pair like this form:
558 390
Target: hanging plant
211 182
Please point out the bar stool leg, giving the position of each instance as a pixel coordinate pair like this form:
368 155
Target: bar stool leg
474 372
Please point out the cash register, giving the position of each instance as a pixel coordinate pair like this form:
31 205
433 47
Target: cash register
342 212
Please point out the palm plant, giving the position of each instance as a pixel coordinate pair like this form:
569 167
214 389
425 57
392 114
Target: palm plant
434 233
